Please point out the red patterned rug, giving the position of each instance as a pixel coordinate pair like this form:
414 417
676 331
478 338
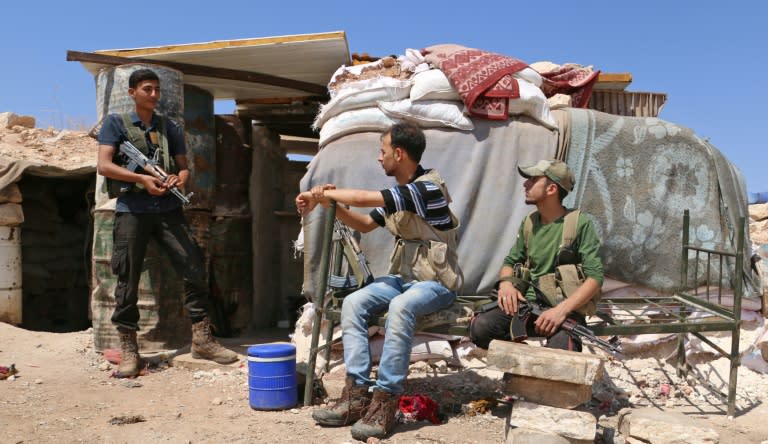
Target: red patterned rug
483 79
574 80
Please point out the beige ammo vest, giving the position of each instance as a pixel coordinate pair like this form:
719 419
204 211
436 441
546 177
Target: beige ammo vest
423 252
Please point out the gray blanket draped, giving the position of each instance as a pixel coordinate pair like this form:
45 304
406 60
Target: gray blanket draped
635 176
479 168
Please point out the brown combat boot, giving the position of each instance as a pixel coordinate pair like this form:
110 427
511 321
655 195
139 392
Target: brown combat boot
380 418
350 407
130 361
204 346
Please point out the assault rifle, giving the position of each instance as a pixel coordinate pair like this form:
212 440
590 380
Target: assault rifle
354 255
138 159
613 345
576 330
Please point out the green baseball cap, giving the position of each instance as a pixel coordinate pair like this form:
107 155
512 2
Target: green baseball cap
556 170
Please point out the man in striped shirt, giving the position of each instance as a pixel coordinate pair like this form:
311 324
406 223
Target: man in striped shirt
424 277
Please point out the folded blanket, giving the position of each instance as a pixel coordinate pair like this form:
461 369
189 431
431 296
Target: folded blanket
574 80
483 79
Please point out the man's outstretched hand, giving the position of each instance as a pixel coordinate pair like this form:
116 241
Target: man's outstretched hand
306 201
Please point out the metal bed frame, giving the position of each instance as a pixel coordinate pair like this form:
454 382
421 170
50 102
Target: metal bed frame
691 309
686 311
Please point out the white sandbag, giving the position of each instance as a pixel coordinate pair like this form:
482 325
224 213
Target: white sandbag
532 103
432 85
11 215
429 113
363 94
355 121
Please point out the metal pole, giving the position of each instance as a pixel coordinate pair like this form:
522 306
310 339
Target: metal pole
319 301
737 293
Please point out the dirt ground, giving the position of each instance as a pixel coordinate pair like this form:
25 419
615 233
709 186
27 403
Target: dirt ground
64 393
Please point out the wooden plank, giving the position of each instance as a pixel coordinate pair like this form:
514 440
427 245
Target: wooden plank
203 71
221 44
613 81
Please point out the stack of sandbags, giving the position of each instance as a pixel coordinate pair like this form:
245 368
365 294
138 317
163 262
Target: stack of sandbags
375 95
11 214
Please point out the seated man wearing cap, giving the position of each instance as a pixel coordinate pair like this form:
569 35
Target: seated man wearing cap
529 270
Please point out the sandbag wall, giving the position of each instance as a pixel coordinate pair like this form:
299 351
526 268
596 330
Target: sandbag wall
11 217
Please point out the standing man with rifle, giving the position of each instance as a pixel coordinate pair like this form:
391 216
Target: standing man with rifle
555 262
149 205
424 277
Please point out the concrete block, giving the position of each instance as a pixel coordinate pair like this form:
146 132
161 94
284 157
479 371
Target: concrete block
545 363
564 395
660 427
527 436
570 424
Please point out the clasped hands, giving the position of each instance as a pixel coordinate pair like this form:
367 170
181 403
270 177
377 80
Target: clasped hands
307 200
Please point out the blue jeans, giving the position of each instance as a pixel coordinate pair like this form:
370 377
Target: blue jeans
405 302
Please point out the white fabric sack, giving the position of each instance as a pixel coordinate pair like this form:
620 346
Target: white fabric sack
429 113
533 103
432 85
362 94
355 121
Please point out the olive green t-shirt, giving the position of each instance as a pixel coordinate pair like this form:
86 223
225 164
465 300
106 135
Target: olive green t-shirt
544 245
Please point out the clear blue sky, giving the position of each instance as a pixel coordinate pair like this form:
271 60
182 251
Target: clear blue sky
709 57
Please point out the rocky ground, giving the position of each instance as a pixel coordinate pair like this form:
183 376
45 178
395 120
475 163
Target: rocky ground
65 149
64 392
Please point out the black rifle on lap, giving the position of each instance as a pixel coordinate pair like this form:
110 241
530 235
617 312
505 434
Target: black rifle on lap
531 308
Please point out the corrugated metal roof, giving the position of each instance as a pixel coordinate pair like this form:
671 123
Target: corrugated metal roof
628 103
311 58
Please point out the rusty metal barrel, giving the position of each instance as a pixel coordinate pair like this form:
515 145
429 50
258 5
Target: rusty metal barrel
200 132
163 323
233 165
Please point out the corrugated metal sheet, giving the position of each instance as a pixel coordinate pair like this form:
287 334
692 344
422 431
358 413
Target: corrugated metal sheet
627 103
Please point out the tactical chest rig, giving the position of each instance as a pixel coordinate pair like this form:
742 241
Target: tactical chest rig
568 274
137 136
421 251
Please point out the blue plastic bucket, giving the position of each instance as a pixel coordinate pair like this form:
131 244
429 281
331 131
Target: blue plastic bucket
272 376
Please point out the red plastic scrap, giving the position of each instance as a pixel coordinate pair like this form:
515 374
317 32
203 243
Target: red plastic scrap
419 408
